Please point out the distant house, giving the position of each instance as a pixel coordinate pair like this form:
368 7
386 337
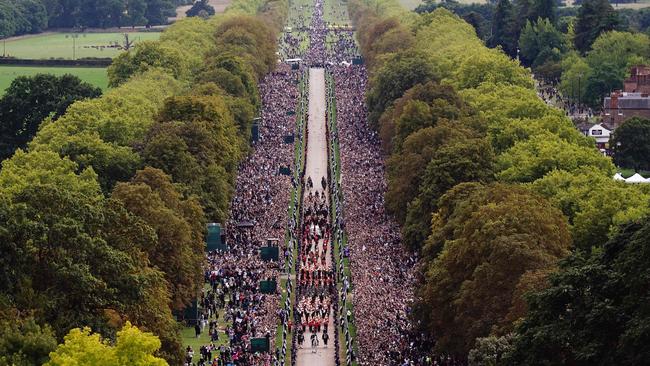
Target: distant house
621 106
601 134
584 127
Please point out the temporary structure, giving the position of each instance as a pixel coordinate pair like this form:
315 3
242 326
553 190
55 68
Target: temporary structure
636 178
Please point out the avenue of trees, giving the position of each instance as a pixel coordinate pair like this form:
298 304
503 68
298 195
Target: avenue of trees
587 49
107 204
491 186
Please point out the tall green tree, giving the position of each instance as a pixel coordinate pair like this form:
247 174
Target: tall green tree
544 9
631 144
146 55
60 263
575 75
7 20
200 8
595 310
250 38
594 204
458 161
610 59
594 18
23 342
404 169
505 31
420 107
494 242
540 42
400 72
198 145
158 11
602 80
531 159
135 10
30 99
32 14
179 249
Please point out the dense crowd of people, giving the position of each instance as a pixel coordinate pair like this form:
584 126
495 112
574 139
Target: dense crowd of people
551 96
342 48
383 275
316 55
258 212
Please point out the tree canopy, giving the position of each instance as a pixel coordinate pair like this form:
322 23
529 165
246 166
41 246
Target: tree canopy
631 144
23 342
179 226
200 8
82 347
594 18
594 311
491 185
400 72
82 215
35 16
30 99
494 242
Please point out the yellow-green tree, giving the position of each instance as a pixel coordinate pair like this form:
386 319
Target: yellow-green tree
81 347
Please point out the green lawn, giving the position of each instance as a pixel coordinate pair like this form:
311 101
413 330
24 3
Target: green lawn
93 75
189 339
410 4
336 12
188 335
60 45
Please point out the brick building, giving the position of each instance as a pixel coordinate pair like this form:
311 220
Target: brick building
621 106
639 80
633 101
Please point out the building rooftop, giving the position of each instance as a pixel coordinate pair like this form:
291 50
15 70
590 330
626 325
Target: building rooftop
628 101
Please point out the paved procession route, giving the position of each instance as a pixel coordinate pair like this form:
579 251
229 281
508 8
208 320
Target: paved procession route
316 168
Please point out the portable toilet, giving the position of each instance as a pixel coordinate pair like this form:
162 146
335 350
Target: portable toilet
215 239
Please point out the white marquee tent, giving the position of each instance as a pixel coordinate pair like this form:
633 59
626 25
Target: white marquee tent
637 178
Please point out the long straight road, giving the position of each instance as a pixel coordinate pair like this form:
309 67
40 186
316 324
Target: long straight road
316 169
316 165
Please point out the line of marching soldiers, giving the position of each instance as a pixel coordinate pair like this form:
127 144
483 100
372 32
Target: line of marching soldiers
313 258
316 278
313 312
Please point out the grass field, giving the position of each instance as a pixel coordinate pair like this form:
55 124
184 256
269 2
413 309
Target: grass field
628 172
336 12
60 45
188 336
410 4
94 76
